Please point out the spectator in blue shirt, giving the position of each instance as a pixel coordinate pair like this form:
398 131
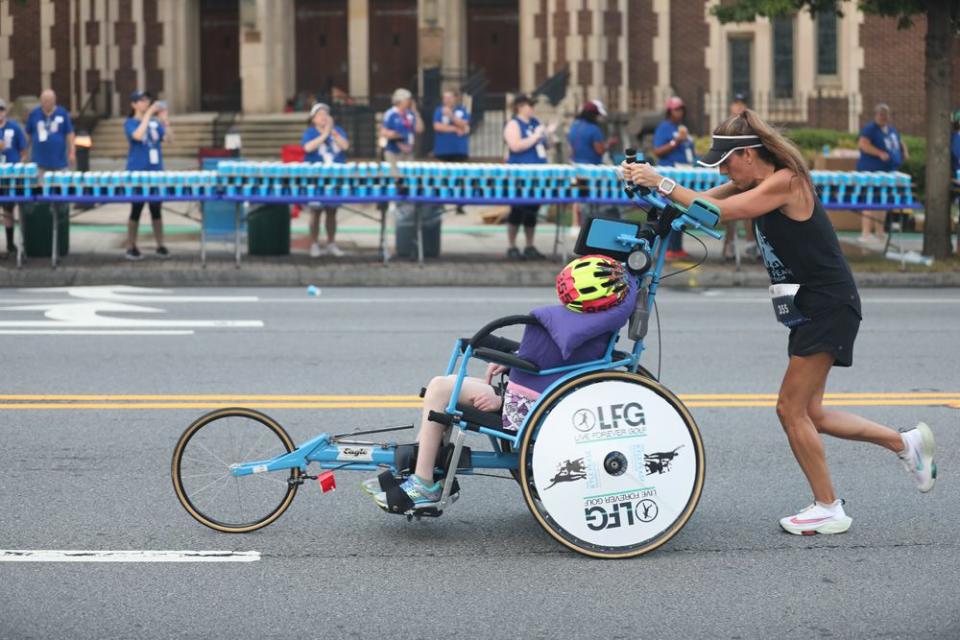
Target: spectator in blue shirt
146 128
527 141
401 124
672 145
588 144
451 126
326 143
955 156
13 148
51 134
881 149
451 131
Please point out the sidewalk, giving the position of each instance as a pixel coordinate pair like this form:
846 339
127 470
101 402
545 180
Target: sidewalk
472 254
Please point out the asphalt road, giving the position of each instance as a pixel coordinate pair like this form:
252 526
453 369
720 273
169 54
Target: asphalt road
334 566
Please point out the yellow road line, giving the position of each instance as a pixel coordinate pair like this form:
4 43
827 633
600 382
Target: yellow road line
306 398
953 402
27 402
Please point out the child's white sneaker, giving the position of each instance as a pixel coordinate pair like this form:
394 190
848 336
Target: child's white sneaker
818 518
917 456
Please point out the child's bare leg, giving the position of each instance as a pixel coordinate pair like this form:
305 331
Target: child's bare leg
431 433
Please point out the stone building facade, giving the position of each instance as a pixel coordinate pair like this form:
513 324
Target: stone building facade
253 55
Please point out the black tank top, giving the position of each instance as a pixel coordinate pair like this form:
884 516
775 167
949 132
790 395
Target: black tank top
807 253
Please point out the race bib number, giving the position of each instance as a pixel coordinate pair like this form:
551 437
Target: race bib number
784 307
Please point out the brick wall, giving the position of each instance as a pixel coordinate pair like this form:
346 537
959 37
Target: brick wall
584 30
540 34
689 37
152 40
893 71
612 32
25 49
125 37
60 41
827 113
561 29
642 29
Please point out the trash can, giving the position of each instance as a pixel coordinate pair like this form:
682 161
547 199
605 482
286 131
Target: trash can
268 230
431 217
37 224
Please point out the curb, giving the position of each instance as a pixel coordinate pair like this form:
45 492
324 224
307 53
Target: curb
473 271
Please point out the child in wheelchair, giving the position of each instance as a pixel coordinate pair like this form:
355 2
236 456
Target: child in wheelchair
597 299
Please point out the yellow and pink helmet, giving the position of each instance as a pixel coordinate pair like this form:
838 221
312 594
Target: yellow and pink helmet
593 283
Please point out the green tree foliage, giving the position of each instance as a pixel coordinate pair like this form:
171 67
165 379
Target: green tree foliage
943 27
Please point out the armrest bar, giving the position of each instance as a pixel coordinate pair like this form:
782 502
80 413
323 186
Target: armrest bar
508 359
499 324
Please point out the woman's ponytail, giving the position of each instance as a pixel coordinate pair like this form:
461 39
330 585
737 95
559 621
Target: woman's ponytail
777 150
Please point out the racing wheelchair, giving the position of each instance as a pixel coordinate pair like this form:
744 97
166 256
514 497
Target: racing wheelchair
609 461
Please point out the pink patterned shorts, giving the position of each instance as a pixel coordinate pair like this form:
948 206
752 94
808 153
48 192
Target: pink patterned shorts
517 402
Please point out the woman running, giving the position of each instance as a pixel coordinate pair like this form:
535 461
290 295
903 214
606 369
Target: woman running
770 184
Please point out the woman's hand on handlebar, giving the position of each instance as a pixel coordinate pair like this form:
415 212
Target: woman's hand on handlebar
494 370
642 174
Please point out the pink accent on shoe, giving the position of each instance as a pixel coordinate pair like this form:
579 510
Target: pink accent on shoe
796 520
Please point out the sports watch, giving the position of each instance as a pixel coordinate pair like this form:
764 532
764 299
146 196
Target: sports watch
666 186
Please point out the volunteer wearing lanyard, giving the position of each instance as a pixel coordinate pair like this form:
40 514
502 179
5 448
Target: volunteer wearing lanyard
451 131
13 148
770 185
526 142
401 124
51 134
323 142
881 149
145 135
451 126
672 145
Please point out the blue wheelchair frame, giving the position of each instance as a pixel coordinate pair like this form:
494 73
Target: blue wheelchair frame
323 449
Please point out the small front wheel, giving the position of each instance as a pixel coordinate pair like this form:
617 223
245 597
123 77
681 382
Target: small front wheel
204 481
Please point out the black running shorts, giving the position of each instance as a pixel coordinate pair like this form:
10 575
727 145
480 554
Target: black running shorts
831 330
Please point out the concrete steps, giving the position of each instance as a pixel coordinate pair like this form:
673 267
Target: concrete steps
262 135
190 131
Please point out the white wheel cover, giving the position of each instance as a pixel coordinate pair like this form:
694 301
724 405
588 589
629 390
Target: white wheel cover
601 420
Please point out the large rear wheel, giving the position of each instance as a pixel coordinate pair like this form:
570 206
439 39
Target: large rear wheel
202 471
611 464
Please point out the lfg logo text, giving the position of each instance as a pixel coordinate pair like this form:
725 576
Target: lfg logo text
610 418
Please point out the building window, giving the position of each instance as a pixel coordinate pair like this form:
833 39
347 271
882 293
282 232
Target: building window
783 57
827 43
741 58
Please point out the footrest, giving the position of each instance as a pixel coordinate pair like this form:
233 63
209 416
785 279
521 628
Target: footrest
480 418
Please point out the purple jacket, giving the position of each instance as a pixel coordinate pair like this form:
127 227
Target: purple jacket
564 337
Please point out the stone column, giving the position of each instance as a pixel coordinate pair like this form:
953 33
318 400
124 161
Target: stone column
47 52
6 62
179 54
358 46
266 60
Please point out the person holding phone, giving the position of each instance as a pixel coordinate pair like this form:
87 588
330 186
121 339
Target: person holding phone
146 128
527 141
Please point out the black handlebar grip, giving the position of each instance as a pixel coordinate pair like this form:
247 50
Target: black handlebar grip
442 418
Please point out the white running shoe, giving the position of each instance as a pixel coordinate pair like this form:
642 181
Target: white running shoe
917 456
315 250
818 519
334 250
